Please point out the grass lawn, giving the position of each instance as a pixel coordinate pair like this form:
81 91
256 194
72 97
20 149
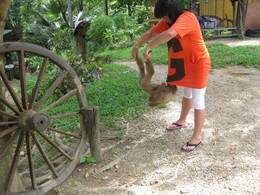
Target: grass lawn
221 55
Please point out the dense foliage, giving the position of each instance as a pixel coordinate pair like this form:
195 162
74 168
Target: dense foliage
47 23
111 23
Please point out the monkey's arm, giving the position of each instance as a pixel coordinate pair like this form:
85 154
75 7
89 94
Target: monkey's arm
141 68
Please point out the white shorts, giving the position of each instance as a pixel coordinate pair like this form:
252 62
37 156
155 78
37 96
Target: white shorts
197 96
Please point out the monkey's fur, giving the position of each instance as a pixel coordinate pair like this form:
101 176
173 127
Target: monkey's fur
159 94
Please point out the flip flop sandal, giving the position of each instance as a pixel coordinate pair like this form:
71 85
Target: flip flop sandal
188 144
175 126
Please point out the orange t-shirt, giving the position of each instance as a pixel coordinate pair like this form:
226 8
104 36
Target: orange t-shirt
188 62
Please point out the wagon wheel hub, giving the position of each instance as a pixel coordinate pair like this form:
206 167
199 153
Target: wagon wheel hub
33 121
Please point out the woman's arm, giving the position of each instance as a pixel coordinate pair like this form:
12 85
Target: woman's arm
162 38
148 35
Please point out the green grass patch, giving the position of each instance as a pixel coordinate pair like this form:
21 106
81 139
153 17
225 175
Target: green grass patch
221 55
123 54
117 95
159 55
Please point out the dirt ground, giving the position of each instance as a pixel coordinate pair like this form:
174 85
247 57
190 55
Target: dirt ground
148 160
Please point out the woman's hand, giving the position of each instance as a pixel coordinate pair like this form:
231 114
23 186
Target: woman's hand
147 53
134 52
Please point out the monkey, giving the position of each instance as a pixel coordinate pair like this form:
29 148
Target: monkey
158 93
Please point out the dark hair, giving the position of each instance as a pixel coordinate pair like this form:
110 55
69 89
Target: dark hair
170 8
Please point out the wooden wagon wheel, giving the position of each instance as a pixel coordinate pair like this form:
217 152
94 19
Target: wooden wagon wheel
43 131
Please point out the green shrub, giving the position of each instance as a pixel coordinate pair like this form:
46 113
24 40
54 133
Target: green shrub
118 31
86 72
93 46
98 27
125 22
39 35
62 39
125 29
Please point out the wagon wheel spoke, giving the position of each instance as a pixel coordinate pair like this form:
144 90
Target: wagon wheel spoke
8 114
64 115
31 165
9 105
11 90
50 91
8 131
22 72
14 163
63 98
8 123
55 146
8 144
43 153
64 132
38 83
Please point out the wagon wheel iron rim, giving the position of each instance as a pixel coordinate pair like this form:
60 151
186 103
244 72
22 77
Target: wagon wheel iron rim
44 134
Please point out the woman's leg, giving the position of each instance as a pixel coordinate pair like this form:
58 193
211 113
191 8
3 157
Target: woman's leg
186 104
185 109
199 116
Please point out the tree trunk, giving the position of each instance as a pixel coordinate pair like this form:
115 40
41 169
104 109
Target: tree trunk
5 163
129 9
106 7
3 12
153 3
5 4
70 14
244 10
241 12
7 159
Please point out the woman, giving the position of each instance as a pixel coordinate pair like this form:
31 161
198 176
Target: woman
188 61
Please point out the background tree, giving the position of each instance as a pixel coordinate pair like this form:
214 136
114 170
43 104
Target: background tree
5 163
13 20
3 13
106 7
130 6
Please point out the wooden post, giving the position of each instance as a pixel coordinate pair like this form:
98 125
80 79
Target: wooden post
91 119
